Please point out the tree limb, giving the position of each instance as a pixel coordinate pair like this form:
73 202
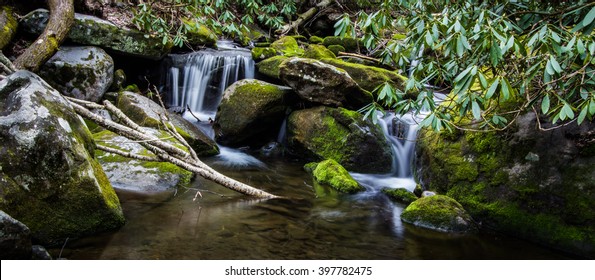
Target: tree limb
303 17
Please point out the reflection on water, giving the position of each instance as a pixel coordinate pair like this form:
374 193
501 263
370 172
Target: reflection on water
311 223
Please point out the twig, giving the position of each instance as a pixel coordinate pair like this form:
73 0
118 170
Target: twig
126 154
191 113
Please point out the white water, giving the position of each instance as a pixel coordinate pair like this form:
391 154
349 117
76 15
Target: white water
198 81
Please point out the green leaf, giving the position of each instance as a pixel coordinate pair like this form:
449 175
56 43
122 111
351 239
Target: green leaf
545 104
589 17
506 89
568 111
476 110
592 107
548 68
580 46
429 39
555 64
463 74
492 88
495 54
582 115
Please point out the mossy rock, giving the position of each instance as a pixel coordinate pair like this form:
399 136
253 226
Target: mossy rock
342 135
524 182
349 44
288 46
439 213
331 173
251 112
199 34
401 195
368 77
336 49
318 52
144 112
49 179
315 40
93 31
270 66
140 176
263 53
8 24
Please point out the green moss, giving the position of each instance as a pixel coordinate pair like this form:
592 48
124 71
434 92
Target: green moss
349 44
263 53
288 46
270 66
332 40
309 167
199 34
132 88
438 212
318 52
166 167
262 44
331 173
368 77
316 40
9 25
336 49
400 195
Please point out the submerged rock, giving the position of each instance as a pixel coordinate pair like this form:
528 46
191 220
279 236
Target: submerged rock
81 72
145 112
251 111
401 195
48 177
93 31
440 213
15 238
139 176
339 134
322 83
332 174
547 197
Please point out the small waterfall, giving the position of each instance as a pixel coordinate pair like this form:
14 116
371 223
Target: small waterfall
198 80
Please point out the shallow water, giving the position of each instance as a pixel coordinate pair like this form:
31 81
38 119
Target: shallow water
311 223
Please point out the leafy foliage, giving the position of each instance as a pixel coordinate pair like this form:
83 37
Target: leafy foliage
497 59
173 19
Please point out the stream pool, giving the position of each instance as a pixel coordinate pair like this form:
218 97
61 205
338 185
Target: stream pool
310 223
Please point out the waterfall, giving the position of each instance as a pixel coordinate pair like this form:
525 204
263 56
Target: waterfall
198 80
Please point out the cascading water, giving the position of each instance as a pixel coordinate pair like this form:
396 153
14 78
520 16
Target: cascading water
197 82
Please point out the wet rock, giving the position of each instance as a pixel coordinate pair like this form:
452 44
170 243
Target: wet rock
139 176
145 112
260 53
80 72
39 252
270 66
199 35
335 133
322 83
318 52
368 77
401 195
538 185
250 112
15 238
48 177
272 149
8 26
332 174
93 31
440 213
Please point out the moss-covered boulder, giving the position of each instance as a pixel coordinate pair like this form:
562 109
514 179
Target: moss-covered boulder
323 83
332 174
368 77
15 239
251 112
440 213
401 195
288 46
318 52
48 177
259 53
336 49
315 40
8 26
139 176
81 72
93 31
145 112
199 35
350 44
537 185
342 135
270 66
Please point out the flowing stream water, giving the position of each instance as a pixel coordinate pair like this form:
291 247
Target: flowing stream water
208 221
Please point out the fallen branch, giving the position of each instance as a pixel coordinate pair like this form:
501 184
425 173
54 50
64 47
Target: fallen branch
359 56
303 17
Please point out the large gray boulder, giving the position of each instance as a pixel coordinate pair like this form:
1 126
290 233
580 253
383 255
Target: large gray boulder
342 135
93 31
145 112
80 72
323 83
250 111
48 177
15 238
139 176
